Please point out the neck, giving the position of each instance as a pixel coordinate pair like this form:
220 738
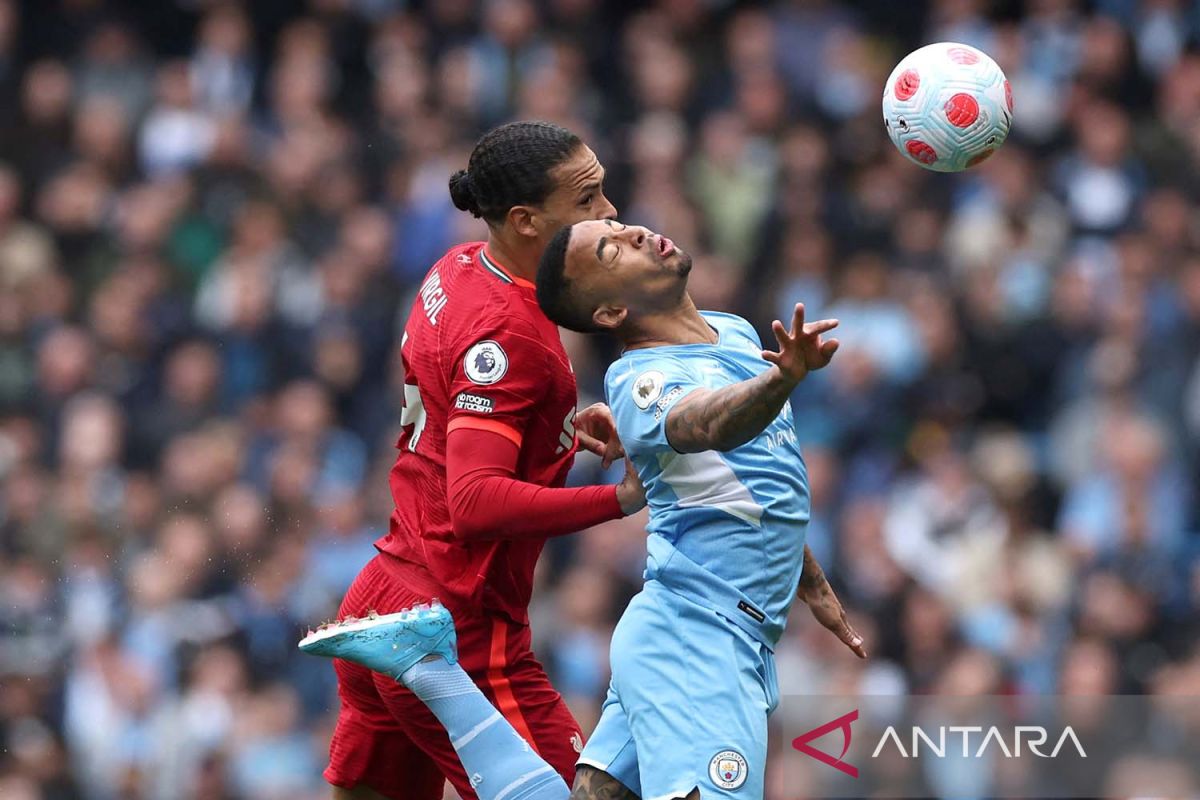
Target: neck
519 255
680 325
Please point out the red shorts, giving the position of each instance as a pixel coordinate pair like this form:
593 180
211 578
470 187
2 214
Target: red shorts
387 739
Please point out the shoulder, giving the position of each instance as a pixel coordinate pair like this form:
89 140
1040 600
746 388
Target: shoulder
455 265
480 303
499 337
618 373
639 378
461 254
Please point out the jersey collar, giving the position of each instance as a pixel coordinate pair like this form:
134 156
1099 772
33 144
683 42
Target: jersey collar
491 265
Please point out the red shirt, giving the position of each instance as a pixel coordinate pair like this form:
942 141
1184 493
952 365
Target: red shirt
478 353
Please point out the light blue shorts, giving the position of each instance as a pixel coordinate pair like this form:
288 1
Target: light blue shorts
688 702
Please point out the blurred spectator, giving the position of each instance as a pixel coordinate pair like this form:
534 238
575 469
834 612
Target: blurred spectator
175 136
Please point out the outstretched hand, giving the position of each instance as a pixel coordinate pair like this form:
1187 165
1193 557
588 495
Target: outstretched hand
802 350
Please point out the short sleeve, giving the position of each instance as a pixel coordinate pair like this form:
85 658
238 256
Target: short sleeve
641 392
499 372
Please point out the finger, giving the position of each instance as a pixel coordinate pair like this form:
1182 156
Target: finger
604 414
829 348
781 334
798 319
819 327
852 639
590 443
612 451
771 355
849 636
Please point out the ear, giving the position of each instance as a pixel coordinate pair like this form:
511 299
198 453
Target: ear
521 220
609 317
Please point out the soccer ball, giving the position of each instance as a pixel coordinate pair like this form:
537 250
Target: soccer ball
947 106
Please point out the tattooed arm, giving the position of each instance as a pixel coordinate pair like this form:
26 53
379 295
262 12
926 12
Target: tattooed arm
816 592
812 577
722 419
595 784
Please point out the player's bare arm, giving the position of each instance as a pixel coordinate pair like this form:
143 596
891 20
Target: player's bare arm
824 604
722 419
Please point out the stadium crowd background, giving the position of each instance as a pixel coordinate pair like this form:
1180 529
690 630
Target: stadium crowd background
212 220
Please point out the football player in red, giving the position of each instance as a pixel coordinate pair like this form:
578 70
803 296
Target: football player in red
489 432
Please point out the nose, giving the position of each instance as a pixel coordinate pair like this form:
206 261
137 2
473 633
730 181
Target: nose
607 210
637 235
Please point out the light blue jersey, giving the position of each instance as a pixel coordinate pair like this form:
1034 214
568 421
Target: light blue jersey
692 658
739 515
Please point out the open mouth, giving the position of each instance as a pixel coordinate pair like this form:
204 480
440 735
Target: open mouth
665 246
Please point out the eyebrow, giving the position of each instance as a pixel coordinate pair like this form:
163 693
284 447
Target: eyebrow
600 247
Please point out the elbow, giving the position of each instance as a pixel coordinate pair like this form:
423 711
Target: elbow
699 445
685 438
465 523
694 447
466 528
688 441
731 440
725 445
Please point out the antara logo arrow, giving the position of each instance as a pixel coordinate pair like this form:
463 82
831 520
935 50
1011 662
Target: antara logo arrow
801 743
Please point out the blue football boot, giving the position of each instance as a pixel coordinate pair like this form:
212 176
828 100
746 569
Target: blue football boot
388 643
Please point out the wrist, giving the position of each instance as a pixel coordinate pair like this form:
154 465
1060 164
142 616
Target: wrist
813 589
783 382
629 500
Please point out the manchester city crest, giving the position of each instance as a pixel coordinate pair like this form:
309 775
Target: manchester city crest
727 769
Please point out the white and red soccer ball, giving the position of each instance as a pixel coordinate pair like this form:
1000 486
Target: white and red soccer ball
947 106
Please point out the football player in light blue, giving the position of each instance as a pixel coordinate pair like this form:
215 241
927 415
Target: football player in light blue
701 409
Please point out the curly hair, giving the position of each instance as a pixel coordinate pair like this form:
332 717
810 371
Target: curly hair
510 166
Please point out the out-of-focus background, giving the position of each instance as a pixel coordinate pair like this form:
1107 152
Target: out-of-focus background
212 219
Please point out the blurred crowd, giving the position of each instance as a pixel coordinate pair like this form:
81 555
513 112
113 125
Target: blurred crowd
213 216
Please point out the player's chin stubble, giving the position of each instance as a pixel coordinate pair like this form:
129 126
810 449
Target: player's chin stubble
684 267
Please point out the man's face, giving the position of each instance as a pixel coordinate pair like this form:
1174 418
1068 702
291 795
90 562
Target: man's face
618 269
578 194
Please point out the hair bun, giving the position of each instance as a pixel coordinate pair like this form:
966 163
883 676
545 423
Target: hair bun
462 192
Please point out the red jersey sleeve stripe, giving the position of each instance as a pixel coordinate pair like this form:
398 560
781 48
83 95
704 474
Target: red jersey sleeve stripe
491 425
500 685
